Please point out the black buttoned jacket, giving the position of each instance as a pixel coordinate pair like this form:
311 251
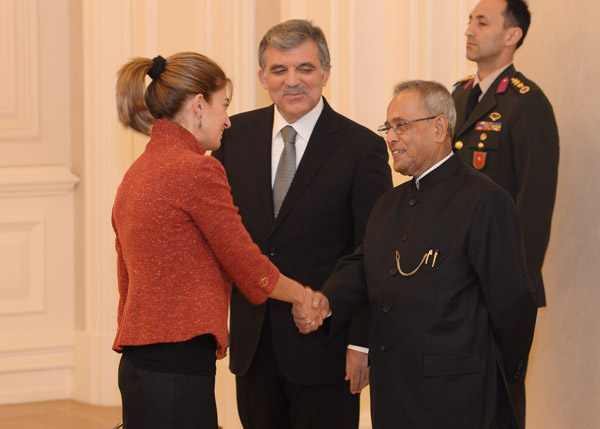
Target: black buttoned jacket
451 309
323 217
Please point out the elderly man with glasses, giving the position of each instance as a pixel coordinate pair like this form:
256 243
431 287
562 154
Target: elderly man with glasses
442 271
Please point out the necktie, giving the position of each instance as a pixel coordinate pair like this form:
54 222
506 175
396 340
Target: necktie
473 99
286 168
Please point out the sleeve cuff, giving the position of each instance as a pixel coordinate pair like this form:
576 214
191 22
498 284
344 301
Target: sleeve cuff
358 348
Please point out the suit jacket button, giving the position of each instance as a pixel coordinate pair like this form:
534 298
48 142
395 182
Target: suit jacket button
386 308
405 237
272 252
383 348
412 202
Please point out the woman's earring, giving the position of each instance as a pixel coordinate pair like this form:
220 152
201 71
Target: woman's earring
200 121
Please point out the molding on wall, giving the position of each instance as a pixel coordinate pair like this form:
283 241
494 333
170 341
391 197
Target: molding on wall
19 86
22 280
107 148
36 353
35 368
38 181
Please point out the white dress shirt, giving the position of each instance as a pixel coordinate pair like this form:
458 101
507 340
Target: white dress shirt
304 128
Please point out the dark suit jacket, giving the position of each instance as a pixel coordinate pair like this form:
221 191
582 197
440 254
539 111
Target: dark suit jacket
445 340
342 173
518 135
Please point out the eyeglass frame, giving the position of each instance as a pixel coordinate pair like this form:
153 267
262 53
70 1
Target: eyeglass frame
384 129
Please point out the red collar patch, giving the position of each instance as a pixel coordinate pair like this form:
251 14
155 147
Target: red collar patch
503 85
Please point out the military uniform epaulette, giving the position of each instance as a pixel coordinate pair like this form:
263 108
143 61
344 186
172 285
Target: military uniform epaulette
520 84
464 79
461 81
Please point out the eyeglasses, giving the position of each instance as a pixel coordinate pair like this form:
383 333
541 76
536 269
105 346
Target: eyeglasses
400 127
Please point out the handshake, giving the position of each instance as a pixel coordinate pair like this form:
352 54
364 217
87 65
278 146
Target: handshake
311 311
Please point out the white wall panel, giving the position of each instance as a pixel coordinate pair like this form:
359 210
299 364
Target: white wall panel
36 283
22 264
34 83
34 367
19 96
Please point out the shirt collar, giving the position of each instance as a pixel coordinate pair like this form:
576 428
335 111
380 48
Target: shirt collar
303 126
418 179
485 84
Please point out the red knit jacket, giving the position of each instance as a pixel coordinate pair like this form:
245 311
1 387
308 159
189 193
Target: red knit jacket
180 245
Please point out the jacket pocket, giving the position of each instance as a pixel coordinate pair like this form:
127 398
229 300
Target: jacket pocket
443 364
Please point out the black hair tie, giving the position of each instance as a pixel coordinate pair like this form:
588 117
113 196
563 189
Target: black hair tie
159 66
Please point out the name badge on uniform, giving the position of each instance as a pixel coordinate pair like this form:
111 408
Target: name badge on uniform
488 126
479 159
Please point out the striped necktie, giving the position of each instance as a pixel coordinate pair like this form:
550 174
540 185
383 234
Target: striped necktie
286 168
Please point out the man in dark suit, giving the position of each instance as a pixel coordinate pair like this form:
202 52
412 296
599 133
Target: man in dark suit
304 194
442 271
507 130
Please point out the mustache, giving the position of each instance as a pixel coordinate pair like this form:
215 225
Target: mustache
298 89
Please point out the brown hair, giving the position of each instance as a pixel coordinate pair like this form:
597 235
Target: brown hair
173 81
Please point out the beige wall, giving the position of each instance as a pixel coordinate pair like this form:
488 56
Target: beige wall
561 53
57 109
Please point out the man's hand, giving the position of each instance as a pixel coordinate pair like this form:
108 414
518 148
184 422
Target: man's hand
357 370
309 314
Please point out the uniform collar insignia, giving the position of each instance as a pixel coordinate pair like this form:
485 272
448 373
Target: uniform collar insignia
503 85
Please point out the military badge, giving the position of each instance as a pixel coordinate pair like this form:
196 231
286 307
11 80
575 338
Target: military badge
495 116
524 90
488 126
479 159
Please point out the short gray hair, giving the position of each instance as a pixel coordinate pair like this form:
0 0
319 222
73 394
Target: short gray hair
435 98
291 34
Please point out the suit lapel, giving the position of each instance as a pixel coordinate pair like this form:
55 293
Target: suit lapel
461 110
486 104
260 157
319 148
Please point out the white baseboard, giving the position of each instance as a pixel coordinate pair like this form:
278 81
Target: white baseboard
35 368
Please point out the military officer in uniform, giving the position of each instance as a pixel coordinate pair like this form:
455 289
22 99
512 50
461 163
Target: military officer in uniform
507 130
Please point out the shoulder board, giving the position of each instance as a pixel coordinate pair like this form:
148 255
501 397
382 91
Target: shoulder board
468 81
518 84
464 79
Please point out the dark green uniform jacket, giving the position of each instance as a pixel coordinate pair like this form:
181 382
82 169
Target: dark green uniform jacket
511 136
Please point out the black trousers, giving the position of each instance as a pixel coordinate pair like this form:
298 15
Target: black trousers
164 400
268 401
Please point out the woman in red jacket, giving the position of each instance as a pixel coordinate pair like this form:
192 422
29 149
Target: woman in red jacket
180 245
